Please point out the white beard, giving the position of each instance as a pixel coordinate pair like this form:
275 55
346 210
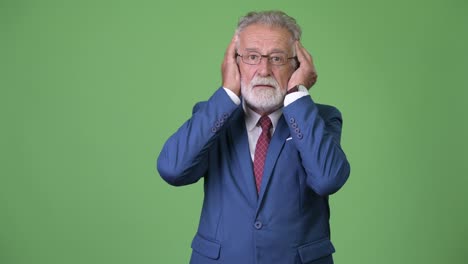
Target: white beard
265 100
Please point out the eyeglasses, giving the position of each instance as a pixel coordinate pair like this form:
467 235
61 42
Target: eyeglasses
254 58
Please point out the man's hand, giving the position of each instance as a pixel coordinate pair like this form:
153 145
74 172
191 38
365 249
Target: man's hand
306 74
229 68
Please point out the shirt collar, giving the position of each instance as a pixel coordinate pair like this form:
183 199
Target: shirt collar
251 117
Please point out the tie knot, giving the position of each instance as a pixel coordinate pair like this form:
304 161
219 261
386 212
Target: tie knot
265 123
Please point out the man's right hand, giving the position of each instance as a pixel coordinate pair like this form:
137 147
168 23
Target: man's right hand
230 69
306 74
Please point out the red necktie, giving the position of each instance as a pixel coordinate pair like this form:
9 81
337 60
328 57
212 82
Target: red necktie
261 149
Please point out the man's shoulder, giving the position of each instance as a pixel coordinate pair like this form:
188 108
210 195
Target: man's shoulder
198 105
328 111
219 99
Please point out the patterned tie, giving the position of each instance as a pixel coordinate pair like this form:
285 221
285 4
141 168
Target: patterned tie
261 149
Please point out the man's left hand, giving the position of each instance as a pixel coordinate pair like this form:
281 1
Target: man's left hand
306 74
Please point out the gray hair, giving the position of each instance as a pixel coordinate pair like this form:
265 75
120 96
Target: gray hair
271 18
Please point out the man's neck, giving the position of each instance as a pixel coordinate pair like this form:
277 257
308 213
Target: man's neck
252 117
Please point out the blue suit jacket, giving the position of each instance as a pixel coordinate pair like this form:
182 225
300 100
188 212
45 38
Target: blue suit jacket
288 221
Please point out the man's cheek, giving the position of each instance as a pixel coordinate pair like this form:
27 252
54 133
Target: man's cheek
245 81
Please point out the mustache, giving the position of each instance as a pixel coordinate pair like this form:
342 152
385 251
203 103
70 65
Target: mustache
270 81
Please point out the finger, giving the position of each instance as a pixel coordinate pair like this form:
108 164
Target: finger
231 49
306 57
299 52
306 53
302 53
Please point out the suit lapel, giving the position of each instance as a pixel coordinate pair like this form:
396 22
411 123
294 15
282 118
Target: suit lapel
274 149
240 141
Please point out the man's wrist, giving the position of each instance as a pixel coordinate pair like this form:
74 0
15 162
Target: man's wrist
297 88
234 97
298 92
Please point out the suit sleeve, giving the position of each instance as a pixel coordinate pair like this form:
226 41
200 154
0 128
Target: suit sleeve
184 157
316 134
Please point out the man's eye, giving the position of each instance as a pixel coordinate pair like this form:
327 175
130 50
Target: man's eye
276 59
253 57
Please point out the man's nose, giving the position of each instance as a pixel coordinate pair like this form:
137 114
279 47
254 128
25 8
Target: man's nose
264 67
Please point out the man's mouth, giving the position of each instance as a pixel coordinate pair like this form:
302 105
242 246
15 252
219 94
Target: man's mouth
263 86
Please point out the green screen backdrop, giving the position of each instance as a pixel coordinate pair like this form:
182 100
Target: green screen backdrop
90 91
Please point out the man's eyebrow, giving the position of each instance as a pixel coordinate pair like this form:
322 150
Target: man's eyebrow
272 51
278 51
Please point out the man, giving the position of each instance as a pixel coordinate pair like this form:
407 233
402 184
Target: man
268 154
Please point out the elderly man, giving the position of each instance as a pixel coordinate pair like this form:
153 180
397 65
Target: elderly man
269 155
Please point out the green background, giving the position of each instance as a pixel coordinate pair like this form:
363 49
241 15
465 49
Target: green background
90 91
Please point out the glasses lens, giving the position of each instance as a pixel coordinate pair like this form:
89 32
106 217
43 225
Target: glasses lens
278 58
252 58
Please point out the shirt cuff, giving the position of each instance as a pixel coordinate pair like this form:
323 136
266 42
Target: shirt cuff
233 96
292 97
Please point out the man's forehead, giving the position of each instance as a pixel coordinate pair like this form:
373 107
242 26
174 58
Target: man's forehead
259 36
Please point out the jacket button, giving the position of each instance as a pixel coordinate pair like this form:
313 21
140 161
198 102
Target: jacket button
292 120
258 225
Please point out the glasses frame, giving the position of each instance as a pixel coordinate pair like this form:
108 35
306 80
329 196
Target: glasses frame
268 58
